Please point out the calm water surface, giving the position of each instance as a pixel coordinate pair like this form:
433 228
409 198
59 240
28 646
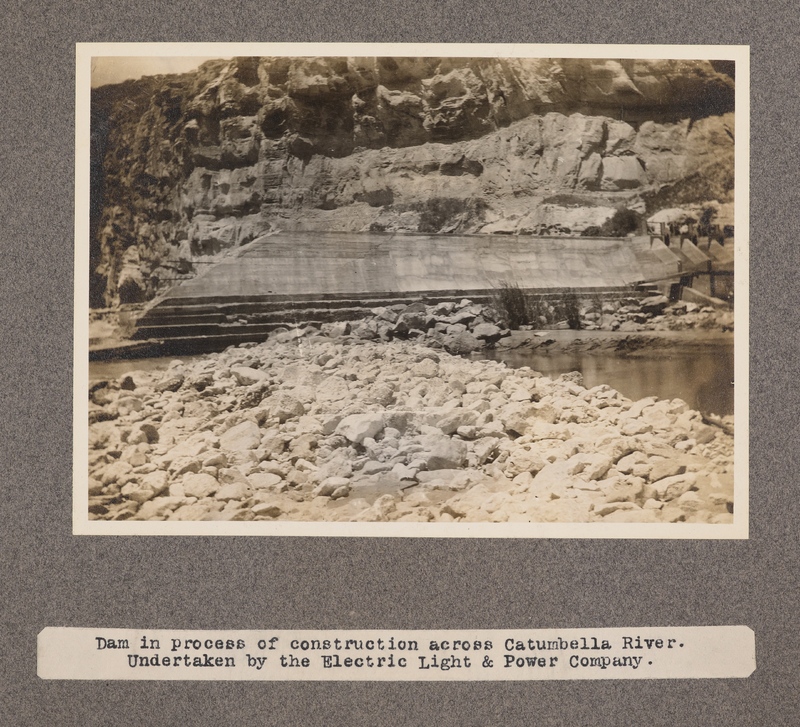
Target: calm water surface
702 377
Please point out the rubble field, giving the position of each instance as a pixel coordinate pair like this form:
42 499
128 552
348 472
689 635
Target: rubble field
339 425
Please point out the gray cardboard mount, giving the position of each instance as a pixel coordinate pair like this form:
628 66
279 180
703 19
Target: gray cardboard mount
52 578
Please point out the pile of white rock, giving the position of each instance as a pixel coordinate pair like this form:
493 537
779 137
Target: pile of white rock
653 313
342 429
458 327
466 326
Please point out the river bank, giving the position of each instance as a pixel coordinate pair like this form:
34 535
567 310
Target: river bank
676 350
308 426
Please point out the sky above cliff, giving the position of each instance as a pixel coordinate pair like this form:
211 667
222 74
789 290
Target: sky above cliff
115 69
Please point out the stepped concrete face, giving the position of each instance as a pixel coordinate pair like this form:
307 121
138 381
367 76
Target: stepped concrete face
335 264
314 278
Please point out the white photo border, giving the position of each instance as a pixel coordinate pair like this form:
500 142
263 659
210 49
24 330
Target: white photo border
738 529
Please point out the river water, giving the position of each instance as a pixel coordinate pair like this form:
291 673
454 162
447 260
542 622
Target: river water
701 376
694 369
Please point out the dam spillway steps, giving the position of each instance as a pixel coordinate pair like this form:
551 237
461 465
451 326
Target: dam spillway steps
311 278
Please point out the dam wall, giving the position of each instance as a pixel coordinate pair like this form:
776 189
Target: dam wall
331 264
295 279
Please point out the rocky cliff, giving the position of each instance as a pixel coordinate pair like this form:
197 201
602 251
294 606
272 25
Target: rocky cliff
187 166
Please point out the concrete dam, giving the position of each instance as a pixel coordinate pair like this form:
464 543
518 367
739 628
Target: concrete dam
295 278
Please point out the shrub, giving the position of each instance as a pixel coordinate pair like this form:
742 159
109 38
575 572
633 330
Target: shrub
511 303
518 308
441 212
621 223
572 310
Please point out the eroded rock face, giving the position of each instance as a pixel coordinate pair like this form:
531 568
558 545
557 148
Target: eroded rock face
190 166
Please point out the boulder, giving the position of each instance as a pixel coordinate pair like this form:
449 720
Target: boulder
671 488
336 330
380 510
415 316
591 466
266 481
457 418
283 406
116 472
666 468
137 493
622 489
485 448
228 475
195 511
233 491
144 432
461 344
159 508
200 485
523 460
245 435
487 332
357 427
516 418
329 485
271 509
332 388
441 453
427 369
128 404
654 305
245 376
157 481
637 515
171 382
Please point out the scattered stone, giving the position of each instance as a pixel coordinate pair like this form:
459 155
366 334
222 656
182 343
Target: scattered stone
266 481
272 509
283 406
671 488
200 485
461 343
442 453
245 376
654 305
637 515
233 491
379 510
321 429
156 482
357 427
328 486
487 332
622 489
243 436
666 468
170 383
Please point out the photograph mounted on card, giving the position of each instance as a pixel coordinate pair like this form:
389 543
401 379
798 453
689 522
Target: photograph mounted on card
411 290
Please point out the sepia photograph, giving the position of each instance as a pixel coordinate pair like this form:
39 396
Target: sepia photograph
450 291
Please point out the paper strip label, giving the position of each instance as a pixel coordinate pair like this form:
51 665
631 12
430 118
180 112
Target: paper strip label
709 652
